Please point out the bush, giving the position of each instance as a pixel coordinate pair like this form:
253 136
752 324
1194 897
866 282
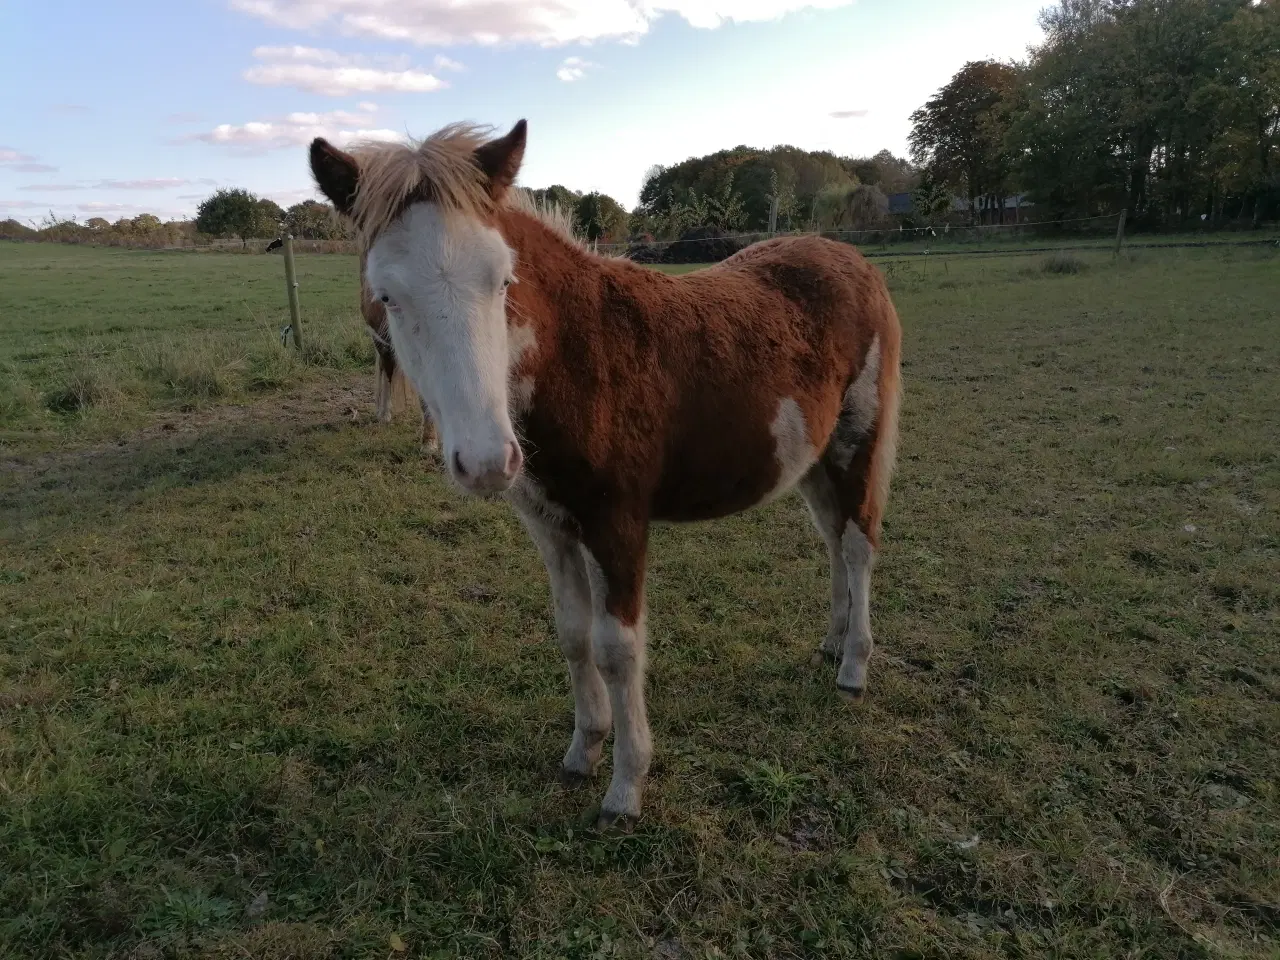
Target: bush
274 366
82 389
193 372
17 398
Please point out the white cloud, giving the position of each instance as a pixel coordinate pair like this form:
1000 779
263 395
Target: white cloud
574 68
847 114
444 63
93 208
21 162
545 22
297 129
155 183
51 187
335 74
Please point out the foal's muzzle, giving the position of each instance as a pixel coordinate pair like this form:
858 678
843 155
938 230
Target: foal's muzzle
487 475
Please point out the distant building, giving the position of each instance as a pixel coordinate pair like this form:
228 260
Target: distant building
901 204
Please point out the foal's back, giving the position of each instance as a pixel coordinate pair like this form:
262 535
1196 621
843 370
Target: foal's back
742 368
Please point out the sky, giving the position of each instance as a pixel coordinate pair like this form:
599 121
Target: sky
115 109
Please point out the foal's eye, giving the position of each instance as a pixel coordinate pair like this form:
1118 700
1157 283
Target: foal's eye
506 282
385 298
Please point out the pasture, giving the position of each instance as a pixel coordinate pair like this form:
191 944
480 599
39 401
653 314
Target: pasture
270 688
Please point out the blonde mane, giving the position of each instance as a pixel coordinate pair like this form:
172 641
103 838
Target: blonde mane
442 168
443 164
547 212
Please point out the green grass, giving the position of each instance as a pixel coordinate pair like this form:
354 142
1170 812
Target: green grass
269 688
109 336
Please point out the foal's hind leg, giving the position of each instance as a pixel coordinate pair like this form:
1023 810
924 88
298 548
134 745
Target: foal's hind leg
820 495
571 599
859 556
848 640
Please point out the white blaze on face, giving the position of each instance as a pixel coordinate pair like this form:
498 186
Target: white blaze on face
443 278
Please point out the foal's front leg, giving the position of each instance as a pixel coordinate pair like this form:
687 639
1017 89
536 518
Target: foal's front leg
618 644
571 599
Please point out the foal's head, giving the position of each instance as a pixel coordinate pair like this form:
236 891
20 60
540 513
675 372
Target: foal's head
435 259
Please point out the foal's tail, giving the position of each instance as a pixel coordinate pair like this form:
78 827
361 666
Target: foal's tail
884 449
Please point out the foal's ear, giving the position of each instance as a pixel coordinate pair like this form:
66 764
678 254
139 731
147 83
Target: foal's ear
500 159
336 173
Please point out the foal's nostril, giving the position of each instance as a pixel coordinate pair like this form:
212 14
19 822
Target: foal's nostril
457 465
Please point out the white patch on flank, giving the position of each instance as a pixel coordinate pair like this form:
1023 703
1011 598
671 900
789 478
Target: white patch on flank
791 447
860 408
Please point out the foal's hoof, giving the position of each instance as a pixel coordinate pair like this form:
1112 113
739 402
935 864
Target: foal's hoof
852 694
616 824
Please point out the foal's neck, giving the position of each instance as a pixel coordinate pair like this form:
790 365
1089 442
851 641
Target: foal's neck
544 255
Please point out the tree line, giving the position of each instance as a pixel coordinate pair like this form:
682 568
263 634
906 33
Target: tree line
1167 109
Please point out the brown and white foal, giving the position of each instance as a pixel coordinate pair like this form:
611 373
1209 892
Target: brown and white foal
599 396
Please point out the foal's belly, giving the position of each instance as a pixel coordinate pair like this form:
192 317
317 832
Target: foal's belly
730 470
687 498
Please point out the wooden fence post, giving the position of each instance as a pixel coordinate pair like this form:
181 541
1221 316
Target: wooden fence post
773 215
291 279
1124 214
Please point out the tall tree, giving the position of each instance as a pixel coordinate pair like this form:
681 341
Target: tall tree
314 221
559 196
600 217
229 213
931 198
269 220
1163 107
675 195
960 133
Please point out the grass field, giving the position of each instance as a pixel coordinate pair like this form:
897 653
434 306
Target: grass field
269 688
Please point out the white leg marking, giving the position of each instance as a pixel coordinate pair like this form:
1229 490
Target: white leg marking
791 446
619 651
571 599
859 556
820 496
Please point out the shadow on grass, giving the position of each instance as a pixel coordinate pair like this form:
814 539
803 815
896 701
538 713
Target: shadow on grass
98 481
